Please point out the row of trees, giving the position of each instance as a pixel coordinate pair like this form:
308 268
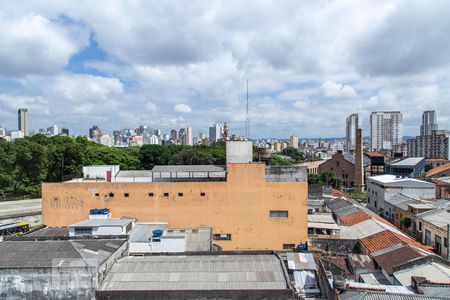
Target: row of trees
25 163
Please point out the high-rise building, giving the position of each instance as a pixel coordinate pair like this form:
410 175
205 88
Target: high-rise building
52 130
189 136
351 125
386 130
182 136
436 145
65 131
93 132
23 120
429 124
173 135
293 142
215 133
2 132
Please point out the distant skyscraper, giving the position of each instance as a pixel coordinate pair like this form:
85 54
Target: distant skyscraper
293 141
182 136
65 131
189 136
93 131
23 120
429 124
52 130
386 130
173 136
352 125
215 133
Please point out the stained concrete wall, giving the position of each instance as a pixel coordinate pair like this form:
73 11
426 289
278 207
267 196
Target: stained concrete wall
239 206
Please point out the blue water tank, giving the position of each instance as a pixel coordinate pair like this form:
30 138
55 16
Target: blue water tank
99 211
158 232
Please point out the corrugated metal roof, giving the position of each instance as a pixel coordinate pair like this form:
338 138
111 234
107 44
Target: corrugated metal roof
438 217
410 161
49 232
367 295
432 271
375 278
103 222
436 290
189 168
401 201
301 261
321 218
196 272
360 261
45 254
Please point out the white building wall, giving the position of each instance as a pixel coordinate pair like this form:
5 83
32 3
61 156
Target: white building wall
168 244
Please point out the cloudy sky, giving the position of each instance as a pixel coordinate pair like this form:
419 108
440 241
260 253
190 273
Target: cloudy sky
171 64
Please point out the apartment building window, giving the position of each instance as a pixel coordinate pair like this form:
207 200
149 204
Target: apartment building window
83 231
278 213
150 194
420 226
180 194
97 195
445 242
288 246
166 194
126 195
202 194
375 203
111 195
222 237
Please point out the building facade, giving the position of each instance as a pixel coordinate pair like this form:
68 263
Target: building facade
215 133
386 130
252 208
429 124
435 145
293 141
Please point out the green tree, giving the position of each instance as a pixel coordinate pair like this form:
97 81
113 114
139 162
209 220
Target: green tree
314 179
293 153
151 155
405 222
428 167
192 156
330 178
278 161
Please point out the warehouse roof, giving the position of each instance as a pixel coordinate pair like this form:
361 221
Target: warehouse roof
374 295
189 168
196 272
44 254
392 180
103 222
401 201
410 161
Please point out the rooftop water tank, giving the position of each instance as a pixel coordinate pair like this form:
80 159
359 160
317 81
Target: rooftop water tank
158 232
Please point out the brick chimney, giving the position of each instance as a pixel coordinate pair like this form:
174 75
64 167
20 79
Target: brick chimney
359 165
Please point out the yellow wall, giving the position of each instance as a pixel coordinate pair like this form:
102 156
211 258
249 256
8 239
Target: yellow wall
239 206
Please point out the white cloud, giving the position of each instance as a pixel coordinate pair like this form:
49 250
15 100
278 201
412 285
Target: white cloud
182 108
33 44
151 106
335 90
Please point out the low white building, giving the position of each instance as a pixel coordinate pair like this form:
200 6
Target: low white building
102 227
380 188
155 237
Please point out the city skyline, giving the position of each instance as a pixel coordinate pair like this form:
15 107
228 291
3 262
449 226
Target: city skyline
308 66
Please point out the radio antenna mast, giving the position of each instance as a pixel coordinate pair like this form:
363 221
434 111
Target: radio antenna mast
247 122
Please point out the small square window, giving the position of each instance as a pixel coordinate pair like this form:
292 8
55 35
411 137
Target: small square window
202 194
111 195
288 246
166 194
150 194
180 194
194 230
126 195
97 195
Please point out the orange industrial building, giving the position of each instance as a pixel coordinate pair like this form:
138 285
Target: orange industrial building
249 206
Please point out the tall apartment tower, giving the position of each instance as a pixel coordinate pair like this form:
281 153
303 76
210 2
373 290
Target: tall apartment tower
352 125
429 124
386 130
215 133
23 120
293 141
189 136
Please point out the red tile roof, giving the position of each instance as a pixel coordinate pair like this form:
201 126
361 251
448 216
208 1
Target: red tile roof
436 160
374 154
380 241
354 218
337 194
438 169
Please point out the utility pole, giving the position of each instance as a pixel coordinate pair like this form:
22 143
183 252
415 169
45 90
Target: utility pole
247 122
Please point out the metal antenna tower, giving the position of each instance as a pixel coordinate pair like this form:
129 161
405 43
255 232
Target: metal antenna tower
247 122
